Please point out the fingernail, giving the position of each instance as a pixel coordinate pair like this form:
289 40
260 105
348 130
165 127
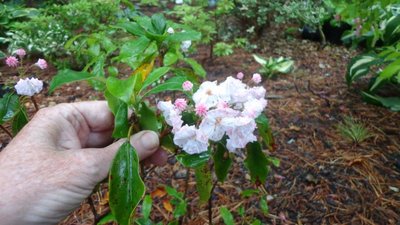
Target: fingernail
149 140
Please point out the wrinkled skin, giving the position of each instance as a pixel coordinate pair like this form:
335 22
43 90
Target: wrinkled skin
57 159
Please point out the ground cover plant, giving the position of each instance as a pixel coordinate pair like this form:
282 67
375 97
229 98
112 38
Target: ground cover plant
298 149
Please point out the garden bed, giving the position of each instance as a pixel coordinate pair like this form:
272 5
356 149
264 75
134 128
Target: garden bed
323 178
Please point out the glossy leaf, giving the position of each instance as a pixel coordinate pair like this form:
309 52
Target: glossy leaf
197 68
249 192
112 71
148 119
133 49
172 84
122 89
393 103
132 28
264 205
120 112
227 216
265 130
126 186
146 207
107 219
19 120
360 66
184 36
159 23
9 106
257 163
390 70
154 76
68 76
170 58
222 162
203 182
193 160
167 143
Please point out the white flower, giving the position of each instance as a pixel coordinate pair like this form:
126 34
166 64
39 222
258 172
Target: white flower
171 114
235 89
29 86
170 30
212 124
185 45
257 92
179 2
210 94
253 108
240 132
191 140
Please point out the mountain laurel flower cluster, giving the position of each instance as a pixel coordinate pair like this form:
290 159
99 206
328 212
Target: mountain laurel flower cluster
229 108
29 86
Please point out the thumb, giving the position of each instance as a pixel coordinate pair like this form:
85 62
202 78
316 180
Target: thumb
145 142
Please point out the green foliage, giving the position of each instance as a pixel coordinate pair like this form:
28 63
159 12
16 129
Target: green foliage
12 110
353 130
178 201
273 66
126 186
223 49
227 216
386 70
10 13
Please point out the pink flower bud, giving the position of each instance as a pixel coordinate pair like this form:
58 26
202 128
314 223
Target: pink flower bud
201 109
222 105
41 63
11 61
180 104
240 75
256 78
187 85
20 52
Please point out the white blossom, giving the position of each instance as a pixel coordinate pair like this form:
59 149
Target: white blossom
170 30
209 94
212 124
29 86
171 114
240 131
185 45
191 140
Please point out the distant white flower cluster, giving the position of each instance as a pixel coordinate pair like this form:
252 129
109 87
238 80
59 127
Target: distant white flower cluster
29 86
229 108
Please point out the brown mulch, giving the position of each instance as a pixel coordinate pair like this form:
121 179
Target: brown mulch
323 177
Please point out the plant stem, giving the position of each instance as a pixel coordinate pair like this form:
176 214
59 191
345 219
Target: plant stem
180 222
6 131
210 205
93 209
35 103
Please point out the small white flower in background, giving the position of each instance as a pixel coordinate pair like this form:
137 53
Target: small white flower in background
179 2
229 108
20 52
170 30
240 75
41 63
29 86
11 61
186 45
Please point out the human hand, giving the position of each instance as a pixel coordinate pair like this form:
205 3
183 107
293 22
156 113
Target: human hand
56 160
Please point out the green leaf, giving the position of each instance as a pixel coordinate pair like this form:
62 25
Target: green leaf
393 103
159 23
121 124
257 163
391 70
68 76
146 207
265 130
249 192
132 49
392 30
172 84
274 161
122 89
148 119
113 71
256 222
167 143
203 182
197 68
154 76
360 66
222 162
132 28
107 219
170 58
260 60
180 209
227 216
19 120
193 160
184 36
173 192
264 205
9 106
126 186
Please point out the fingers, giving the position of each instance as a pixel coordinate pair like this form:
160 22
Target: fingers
146 143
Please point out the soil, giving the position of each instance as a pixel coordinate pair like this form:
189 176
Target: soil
324 178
